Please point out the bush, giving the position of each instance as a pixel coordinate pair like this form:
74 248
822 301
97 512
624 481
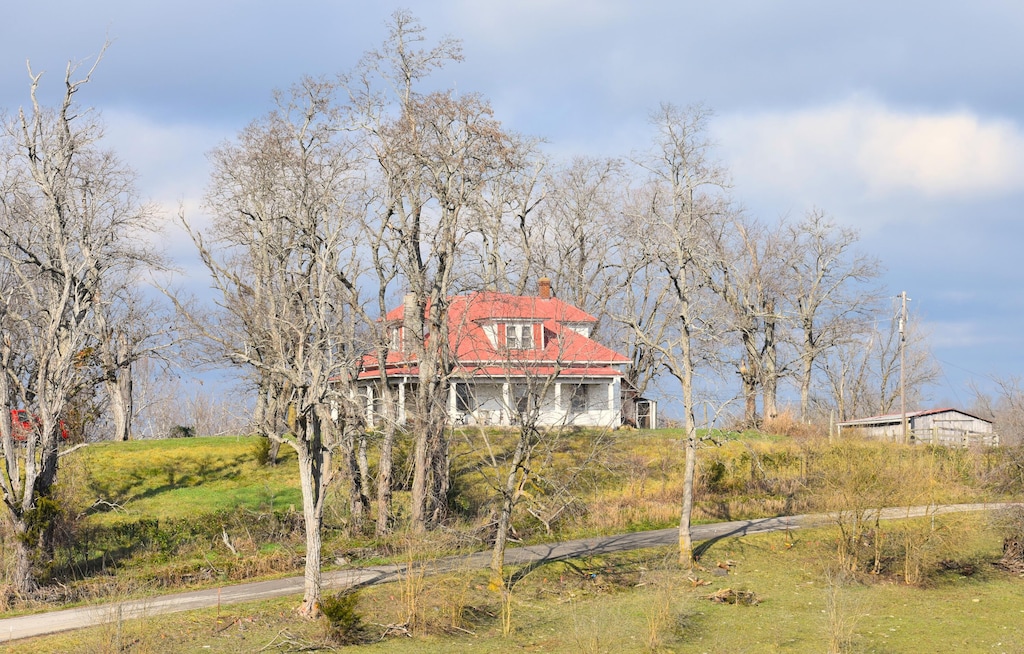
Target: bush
261 449
344 624
181 431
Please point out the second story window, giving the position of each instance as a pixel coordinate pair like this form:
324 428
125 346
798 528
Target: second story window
519 337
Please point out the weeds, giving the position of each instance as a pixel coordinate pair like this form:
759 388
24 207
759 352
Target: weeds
840 612
658 615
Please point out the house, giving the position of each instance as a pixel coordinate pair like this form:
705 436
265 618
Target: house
513 355
937 426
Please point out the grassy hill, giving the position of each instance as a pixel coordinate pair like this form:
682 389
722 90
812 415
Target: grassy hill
151 516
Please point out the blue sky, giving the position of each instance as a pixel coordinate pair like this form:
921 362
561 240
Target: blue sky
904 120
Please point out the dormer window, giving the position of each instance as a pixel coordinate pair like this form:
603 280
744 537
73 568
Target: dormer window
519 336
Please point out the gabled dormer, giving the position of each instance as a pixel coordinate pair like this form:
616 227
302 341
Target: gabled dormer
514 334
520 334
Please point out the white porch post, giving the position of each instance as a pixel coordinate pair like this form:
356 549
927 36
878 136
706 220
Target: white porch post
369 406
451 401
401 403
506 401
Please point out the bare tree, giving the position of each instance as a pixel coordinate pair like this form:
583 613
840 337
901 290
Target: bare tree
284 264
826 290
129 327
1005 407
436 154
576 248
70 223
504 231
511 475
669 227
862 371
745 270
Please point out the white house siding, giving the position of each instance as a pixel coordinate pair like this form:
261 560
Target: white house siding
491 402
494 403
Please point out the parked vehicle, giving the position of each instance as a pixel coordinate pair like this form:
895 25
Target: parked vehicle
23 424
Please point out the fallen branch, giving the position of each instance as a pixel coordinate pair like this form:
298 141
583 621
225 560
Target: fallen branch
730 596
71 449
227 540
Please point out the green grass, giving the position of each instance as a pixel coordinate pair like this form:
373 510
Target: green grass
182 478
633 602
166 505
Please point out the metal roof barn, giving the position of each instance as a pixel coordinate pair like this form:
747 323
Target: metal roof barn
947 426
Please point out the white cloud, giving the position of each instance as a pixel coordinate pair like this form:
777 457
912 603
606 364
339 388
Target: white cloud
170 158
952 334
513 23
863 146
173 170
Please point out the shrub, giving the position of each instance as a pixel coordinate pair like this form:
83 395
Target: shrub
261 450
344 624
181 431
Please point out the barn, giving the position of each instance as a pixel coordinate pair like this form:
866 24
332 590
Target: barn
951 427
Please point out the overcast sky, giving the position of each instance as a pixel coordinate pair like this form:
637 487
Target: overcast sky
904 119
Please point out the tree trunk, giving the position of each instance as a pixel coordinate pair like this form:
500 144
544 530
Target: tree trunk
364 472
501 540
749 382
770 367
386 462
119 391
430 481
805 386
685 541
509 494
384 481
266 416
359 503
23 578
311 478
419 480
440 477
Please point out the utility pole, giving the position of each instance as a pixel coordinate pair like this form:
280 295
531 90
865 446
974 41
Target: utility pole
903 377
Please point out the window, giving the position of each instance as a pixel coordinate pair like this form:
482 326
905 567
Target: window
525 401
464 401
519 337
577 397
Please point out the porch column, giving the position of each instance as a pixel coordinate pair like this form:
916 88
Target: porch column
401 403
368 409
506 401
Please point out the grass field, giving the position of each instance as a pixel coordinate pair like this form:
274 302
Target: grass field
636 602
151 517
177 479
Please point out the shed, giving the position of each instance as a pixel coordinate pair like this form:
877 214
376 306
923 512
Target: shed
946 426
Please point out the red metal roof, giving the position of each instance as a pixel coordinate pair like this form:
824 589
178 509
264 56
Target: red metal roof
556 343
491 305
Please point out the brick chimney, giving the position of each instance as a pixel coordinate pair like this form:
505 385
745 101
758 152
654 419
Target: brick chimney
410 321
544 288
